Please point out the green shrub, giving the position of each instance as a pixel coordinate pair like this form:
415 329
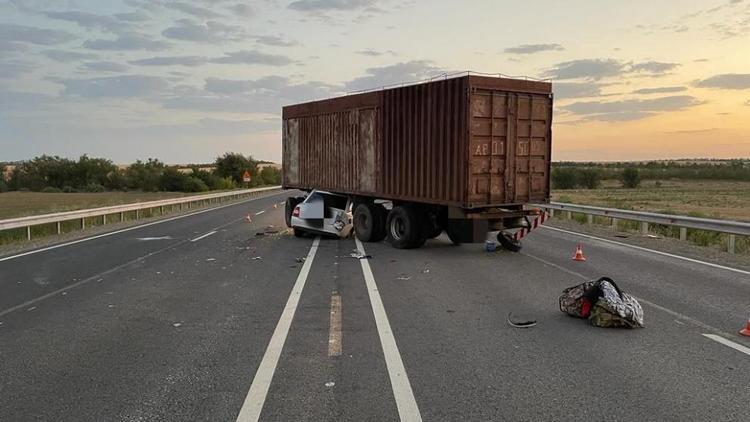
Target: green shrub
51 189
194 184
564 178
69 189
630 178
95 188
3 185
590 178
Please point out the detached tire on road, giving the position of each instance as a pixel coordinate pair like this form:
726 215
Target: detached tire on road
369 222
507 242
404 228
289 208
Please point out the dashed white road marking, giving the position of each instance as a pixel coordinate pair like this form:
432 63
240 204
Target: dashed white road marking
140 226
402 392
696 261
334 334
203 236
260 212
256 397
725 342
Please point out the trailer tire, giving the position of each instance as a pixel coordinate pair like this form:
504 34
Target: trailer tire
289 206
383 214
369 223
453 238
404 228
508 242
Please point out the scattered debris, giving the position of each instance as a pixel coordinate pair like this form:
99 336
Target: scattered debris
64 293
158 272
357 254
603 303
622 236
210 259
490 246
176 324
330 384
257 257
260 234
143 239
31 309
520 324
300 259
652 236
404 278
110 306
391 260
450 311
426 271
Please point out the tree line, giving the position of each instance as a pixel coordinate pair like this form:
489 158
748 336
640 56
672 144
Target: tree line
56 174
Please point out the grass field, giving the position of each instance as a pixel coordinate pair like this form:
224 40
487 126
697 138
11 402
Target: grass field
699 198
20 204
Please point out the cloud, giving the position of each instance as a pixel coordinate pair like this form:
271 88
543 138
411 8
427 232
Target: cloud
127 41
33 35
106 66
133 17
653 67
414 70
115 86
253 57
271 86
533 48
726 81
632 109
242 9
89 20
67 56
210 32
585 68
190 9
330 5
275 41
375 53
171 61
8 48
660 90
563 90
12 70
595 69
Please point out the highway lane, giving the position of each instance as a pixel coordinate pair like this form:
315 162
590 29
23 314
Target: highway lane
180 335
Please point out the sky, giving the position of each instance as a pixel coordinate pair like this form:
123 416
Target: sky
185 81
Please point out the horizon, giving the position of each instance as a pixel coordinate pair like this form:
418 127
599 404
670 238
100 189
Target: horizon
185 82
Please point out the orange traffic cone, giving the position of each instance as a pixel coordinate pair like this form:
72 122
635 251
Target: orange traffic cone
746 331
248 219
579 254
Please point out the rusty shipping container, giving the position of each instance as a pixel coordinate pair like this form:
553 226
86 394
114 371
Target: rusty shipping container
469 142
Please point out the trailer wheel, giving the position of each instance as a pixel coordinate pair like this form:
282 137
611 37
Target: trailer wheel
289 208
508 242
383 212
453 237
404 228
369 222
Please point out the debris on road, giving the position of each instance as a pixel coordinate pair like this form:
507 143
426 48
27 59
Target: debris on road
520 324
260 234
426 271
210 259
300 259
257 257
404 278
330 384
144 239
357 254
490 246
603 303
176 324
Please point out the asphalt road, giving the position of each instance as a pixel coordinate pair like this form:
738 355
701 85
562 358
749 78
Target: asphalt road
198 318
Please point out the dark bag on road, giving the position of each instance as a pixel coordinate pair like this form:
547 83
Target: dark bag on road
603 303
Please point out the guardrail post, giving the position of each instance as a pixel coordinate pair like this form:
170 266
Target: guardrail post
683 233
59 228
104 219
28 232
589 219
644 227
161 210
730 244
614 223
83 223
568 215
137 213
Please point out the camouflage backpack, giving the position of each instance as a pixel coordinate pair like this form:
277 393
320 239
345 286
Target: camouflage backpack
603 303
573 300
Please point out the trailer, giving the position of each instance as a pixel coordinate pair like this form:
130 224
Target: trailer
462 155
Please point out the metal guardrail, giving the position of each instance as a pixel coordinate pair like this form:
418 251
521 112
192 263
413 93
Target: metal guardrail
732 228
183 202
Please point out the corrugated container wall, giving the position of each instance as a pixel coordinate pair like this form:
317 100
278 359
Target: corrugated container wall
470 142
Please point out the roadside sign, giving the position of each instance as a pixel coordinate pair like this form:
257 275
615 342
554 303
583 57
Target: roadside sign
246 177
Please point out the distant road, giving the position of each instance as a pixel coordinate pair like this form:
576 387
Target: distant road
198 318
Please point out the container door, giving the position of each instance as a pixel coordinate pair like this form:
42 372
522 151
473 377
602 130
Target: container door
509 151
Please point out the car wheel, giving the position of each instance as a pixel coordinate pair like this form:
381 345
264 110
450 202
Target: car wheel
368 222
508 242
404 229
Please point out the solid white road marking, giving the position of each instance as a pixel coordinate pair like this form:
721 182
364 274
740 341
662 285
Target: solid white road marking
203 236
737 270
725 342
405 402
86 239
260 212
253 405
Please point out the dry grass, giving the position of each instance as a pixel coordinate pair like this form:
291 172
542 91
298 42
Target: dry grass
700 198
20 204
